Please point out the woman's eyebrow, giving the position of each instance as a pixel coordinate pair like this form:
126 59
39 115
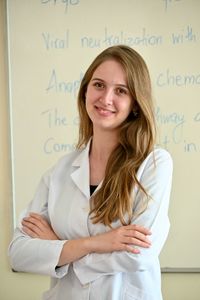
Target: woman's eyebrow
93 79
116 84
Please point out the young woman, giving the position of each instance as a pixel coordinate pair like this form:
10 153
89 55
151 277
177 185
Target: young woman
99 218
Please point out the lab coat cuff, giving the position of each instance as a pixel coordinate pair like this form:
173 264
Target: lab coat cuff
52 259
60 272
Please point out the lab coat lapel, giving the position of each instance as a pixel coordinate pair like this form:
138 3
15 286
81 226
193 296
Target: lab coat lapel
81 175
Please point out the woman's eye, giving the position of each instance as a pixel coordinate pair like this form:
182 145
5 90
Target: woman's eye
98 85
121 91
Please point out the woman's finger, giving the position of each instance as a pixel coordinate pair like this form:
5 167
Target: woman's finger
32 222
136 242
132 249
39 218
35 225
138 235
31 226
29 232
37 221
138 228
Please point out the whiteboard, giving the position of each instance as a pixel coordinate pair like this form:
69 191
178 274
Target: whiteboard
50 45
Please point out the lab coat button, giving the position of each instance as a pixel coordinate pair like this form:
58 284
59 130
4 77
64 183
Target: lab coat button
86 285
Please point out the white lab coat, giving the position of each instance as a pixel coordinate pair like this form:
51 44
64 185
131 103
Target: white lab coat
63 196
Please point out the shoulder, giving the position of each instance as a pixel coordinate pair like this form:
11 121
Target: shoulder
159 160
160 155
157 156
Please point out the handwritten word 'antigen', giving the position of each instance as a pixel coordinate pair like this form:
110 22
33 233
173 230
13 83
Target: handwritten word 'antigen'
109 39
166 78
55 85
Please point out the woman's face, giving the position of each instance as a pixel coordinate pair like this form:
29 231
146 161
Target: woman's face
108 99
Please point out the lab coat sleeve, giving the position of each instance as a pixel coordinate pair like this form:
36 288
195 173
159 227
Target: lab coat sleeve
155 175
32 254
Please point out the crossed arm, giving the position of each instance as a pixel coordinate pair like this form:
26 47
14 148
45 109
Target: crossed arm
123 238
39 250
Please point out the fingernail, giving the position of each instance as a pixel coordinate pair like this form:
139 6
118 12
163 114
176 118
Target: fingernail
136 251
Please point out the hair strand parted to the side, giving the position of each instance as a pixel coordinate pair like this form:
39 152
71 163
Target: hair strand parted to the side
115 199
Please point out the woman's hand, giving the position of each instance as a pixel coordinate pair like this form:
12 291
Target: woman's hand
36 226
124 238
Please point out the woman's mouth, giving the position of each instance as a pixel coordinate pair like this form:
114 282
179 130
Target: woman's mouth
104 112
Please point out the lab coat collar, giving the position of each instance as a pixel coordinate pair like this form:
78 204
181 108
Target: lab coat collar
81 175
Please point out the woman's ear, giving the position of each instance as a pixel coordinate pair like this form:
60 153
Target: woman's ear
135 110
135 107
135 113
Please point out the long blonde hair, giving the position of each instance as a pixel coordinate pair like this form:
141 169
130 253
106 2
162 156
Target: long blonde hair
115 199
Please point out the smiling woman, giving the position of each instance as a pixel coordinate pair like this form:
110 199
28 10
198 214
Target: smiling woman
108 100
100 215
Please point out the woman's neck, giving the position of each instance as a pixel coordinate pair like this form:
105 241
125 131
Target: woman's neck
102 145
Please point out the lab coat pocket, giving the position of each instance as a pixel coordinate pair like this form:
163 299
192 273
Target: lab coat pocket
134 293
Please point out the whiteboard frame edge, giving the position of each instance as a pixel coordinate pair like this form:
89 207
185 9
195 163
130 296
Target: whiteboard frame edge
179 270
9 89
13 204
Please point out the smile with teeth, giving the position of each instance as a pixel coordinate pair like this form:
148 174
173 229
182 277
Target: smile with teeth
104 112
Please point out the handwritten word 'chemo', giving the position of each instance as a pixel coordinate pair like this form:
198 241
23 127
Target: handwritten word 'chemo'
52 146
59 86
109 39
167 78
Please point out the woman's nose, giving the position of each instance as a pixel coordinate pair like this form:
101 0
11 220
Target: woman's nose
107 97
